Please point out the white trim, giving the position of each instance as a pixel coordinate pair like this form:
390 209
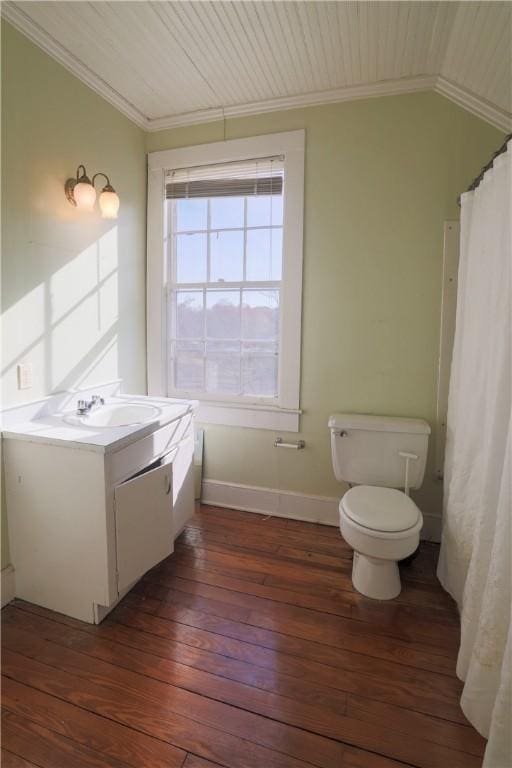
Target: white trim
460 95
312 99
8 584
446 334
289 504
242 415
291 145
269 501
475 104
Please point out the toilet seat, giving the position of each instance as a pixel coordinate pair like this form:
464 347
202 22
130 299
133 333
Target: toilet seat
386 510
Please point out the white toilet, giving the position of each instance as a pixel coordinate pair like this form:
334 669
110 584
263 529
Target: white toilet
379 454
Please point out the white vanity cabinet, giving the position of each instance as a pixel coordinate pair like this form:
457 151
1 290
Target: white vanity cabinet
85 524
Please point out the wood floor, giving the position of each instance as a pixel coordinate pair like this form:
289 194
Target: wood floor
248 648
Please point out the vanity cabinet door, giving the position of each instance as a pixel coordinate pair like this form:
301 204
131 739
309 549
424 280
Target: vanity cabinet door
144 523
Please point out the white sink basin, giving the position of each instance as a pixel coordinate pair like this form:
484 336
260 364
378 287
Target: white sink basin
117 415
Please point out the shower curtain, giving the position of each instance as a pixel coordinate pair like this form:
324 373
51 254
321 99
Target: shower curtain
475 559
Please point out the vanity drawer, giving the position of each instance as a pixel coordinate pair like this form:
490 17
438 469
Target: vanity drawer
126 462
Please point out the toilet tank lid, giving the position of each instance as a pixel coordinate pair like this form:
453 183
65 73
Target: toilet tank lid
378 423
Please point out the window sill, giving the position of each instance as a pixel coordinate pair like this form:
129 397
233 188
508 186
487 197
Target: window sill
252 416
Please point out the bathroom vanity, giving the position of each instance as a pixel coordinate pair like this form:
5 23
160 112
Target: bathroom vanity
94 504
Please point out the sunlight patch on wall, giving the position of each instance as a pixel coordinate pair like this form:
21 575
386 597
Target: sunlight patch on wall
84 309
23 323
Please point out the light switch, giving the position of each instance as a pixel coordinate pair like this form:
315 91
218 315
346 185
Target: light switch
24 375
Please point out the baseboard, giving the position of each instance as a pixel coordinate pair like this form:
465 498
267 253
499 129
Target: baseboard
269 501
297 506
8 584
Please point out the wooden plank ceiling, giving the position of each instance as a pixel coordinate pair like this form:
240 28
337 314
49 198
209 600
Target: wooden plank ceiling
175 62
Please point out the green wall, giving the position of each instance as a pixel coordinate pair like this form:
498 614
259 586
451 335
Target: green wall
382 175
73 285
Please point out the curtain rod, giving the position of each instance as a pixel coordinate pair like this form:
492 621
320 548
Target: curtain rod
476 181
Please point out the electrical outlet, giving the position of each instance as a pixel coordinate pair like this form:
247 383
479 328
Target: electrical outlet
24 375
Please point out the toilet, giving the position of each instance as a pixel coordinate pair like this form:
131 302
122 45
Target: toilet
379 455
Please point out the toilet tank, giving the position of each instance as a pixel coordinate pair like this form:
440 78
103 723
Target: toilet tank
366 449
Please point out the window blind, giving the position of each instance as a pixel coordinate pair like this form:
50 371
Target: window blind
263 176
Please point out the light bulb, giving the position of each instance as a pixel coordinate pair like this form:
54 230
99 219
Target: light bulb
84 195
109 203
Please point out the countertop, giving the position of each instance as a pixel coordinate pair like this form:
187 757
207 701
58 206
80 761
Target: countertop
51 428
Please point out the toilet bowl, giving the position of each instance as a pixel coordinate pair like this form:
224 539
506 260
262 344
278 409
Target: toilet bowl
378 455
382 525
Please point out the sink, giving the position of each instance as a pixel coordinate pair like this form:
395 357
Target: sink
117 415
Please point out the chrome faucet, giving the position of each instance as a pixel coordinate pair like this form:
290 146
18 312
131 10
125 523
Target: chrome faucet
84 406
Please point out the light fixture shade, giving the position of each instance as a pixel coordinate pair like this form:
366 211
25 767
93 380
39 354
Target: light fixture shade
109 204
84 195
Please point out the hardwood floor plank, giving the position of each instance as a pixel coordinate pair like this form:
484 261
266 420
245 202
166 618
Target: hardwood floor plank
309 577
247 648
201 529
141 713
427 621
207 661
315 640
47 748
299 688
418 577
327 670
149 590
10 760
293 742
193 761
398 620
104 735
287 710
171 699
457 736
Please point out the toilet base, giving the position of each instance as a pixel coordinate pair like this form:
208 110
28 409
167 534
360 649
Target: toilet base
379 579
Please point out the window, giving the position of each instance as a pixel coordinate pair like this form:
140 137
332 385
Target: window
224 278
225 242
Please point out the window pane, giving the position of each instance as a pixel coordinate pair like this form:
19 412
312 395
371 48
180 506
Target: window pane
258 211
226 212
276 265
264 254
190 258
191 214
259 369
223 367
189 315
226 256
189 365
260 314
223 314
277 210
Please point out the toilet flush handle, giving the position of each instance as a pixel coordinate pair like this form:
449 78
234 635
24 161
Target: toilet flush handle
408 457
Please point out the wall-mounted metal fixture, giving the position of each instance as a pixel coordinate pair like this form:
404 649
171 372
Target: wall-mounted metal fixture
81 193
280 443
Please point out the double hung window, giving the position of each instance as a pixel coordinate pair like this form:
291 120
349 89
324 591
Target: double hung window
224 277
225 244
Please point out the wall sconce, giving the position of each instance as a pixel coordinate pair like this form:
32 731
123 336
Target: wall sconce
81 193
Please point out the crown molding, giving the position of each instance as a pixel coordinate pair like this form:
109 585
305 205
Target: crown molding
24 24
316 98
456 93
474 104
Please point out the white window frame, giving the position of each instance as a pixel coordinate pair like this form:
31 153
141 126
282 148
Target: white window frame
283 413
